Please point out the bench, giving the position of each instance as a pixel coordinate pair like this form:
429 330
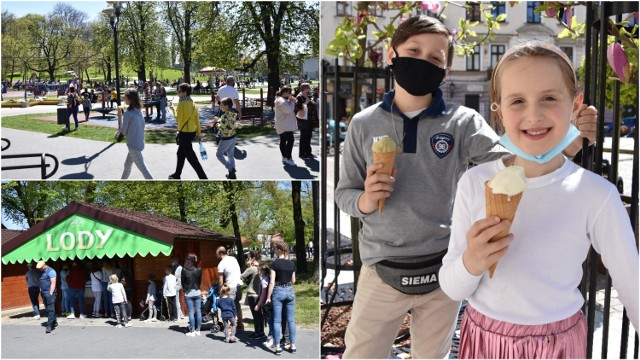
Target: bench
252 112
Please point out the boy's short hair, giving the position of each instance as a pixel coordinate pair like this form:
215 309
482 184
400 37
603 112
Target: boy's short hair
225 290
305 86
422 24
185 88
227 102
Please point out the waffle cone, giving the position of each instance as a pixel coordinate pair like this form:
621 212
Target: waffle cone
504 207
388 159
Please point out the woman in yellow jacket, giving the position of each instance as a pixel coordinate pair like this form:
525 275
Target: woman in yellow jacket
188 129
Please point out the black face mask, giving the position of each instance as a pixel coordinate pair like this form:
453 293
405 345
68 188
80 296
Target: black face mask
419 77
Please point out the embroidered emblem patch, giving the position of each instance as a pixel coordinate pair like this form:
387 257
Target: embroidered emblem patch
441 144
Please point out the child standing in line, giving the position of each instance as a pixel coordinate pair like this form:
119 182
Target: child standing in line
227 143
119 299
228 312
151 298
267 313
133 129
531 308
169 293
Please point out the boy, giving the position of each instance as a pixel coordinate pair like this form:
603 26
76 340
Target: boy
169 293
227 130
402 248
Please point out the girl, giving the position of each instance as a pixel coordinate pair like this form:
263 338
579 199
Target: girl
188 121
119 299
191 276
302 117
96 288
72 104
227 143
133 129
285 123
107 271
282 278
151 298
227 308
531 306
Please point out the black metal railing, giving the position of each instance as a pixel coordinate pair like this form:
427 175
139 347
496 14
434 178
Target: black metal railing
42 165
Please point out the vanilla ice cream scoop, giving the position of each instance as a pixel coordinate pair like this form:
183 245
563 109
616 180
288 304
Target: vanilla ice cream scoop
509 181
384 145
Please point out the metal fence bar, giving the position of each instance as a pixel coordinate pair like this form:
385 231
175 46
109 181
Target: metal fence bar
323 164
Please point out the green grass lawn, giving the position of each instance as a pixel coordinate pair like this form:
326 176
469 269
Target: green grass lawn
307 301
104 133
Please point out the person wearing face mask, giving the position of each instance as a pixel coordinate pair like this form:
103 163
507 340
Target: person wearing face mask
402 247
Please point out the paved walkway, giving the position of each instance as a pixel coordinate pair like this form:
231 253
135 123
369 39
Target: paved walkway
256 158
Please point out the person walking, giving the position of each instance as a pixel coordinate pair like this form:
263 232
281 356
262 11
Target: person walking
229 90
33 286
188 120
284 106
281 294
133 129
48 293
251 277
229 274
72 106
191 276
227 132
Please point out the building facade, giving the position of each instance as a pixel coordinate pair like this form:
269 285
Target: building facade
468 80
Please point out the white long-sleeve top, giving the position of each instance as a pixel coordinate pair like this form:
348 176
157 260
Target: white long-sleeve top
559 216
118 295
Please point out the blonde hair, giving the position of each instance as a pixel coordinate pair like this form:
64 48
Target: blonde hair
527 49
113 279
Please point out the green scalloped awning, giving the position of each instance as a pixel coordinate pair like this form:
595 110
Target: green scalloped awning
81 237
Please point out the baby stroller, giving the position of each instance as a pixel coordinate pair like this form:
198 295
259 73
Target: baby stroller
210 309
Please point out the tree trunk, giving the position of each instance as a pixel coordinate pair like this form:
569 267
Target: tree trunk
182 203
315 193
230 189
13 68
301 251
86 70
141 73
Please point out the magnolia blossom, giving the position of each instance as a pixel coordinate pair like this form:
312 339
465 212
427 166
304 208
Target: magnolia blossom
551 12
619 62
430 6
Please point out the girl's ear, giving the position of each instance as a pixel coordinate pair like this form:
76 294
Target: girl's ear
577 103
390 55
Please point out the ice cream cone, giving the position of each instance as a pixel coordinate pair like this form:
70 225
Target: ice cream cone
388 159
504 207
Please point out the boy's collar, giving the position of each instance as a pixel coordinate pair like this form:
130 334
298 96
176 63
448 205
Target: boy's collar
436 108
187 97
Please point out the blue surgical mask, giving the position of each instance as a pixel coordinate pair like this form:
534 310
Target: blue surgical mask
572 134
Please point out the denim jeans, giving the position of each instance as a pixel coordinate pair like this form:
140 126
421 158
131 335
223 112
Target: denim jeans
106 300
50 305
283 297
79 294
66 295
34 291
194 304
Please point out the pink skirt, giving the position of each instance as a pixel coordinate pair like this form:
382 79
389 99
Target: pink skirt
482 337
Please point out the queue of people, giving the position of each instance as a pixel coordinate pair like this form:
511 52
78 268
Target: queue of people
270 296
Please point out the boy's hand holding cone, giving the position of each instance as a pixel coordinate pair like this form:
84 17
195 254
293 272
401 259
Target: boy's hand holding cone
384 152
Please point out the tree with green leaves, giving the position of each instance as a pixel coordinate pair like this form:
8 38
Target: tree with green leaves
301 254
56 39
182 19
272 29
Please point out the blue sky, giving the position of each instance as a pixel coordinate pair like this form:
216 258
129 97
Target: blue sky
22 8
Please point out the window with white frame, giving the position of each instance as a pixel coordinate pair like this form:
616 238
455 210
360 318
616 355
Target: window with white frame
473 60
343 8
497 50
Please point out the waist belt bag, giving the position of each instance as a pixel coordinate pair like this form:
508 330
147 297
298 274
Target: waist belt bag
414 276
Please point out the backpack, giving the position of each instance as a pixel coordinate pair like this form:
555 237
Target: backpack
72 100
86 103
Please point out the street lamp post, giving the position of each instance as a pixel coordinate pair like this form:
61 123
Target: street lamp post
114 17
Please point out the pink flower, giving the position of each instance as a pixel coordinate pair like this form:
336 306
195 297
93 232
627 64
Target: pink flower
399 3
430 6
551 12
569 14
619 62
454 32
635 15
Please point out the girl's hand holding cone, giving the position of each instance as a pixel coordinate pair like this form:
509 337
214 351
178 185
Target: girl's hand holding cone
377 186
481 252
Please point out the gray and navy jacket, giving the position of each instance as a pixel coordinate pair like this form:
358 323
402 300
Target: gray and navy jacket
438 145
